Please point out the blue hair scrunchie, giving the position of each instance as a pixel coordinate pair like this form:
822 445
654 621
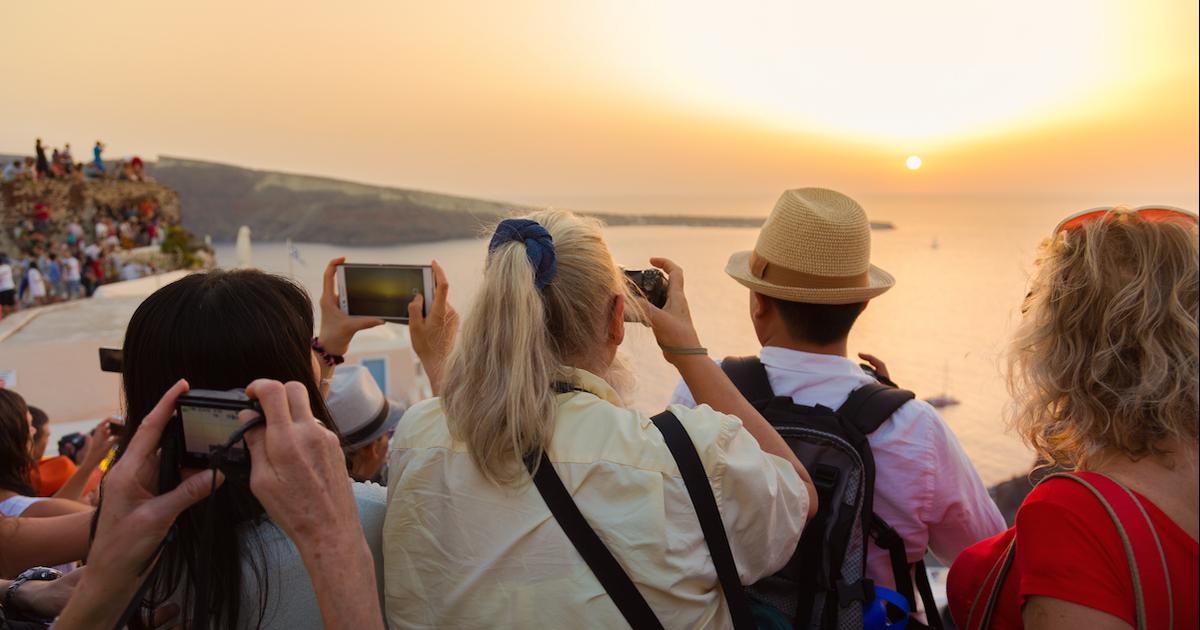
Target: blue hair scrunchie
539 246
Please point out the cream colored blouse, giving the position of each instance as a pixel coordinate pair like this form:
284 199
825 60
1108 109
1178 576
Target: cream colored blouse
461 552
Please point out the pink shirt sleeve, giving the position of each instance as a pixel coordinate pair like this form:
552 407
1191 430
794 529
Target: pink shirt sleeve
959 511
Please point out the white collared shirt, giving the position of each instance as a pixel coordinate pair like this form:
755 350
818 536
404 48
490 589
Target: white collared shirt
462 552
925 486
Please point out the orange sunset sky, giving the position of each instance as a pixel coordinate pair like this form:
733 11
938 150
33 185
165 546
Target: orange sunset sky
526 99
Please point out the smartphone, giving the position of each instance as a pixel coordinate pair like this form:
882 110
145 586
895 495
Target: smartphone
111 360
207 418
383 291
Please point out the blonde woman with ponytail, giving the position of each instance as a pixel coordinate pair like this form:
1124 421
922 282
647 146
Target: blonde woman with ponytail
470 542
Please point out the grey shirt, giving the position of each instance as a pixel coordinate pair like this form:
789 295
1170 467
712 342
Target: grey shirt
291 603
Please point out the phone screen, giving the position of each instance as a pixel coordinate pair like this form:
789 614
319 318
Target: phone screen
206 429
382 291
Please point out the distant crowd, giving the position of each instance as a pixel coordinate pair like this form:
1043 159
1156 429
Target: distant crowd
64 251
791 488
61 164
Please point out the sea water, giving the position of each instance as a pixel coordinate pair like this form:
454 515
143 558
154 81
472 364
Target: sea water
962 268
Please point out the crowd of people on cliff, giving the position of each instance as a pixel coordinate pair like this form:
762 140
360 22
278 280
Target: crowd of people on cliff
64 253
61 165
793 488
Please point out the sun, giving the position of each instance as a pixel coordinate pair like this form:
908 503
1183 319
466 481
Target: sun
913 162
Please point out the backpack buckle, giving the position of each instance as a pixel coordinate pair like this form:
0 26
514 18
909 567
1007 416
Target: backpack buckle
825 476
862 591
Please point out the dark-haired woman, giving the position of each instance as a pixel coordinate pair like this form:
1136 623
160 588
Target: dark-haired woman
17 496
228 565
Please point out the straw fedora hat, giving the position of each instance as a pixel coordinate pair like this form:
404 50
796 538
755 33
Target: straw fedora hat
814 248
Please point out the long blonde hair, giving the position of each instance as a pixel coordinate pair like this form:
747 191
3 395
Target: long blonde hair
499 382
1106 358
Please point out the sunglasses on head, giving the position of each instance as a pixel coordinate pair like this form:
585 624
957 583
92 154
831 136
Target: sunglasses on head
1155 214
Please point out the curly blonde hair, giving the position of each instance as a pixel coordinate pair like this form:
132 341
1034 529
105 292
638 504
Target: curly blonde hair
1107 356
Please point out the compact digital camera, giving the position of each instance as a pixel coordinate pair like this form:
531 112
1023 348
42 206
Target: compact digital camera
199 435
70 445
650 284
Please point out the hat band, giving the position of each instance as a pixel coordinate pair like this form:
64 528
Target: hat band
782 276
365 432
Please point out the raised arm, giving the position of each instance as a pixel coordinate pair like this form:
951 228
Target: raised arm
97 446
132 522
337 328
298 473
433 335
681 347
47 541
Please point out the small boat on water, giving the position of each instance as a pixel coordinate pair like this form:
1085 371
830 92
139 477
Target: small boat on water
944 399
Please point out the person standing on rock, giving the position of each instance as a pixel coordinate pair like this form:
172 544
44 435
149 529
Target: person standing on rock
43 166
97 159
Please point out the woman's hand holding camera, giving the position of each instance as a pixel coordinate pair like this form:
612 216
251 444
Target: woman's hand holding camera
433 335
677 337
132 522
672 324
298 473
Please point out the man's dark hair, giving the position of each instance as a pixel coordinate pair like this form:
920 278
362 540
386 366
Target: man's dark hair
821 324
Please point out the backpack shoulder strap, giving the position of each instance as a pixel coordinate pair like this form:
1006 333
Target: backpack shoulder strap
597 556
871 405
1143 549
705 504
907 574
749 376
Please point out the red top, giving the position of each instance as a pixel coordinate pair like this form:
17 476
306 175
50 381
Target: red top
1069 549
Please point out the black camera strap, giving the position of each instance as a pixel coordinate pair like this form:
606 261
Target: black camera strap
210 519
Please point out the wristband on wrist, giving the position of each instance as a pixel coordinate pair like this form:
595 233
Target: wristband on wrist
329 358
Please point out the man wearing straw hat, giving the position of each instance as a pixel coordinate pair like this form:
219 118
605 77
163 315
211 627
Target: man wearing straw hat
810 277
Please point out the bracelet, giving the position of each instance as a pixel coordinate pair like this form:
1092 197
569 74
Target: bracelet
329 358
696 350
37 574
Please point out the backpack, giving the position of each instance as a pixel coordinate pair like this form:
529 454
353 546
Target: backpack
824 584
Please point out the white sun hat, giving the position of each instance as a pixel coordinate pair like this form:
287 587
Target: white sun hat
359 409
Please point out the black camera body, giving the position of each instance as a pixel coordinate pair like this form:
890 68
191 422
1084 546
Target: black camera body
70 445
650 284
199 436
